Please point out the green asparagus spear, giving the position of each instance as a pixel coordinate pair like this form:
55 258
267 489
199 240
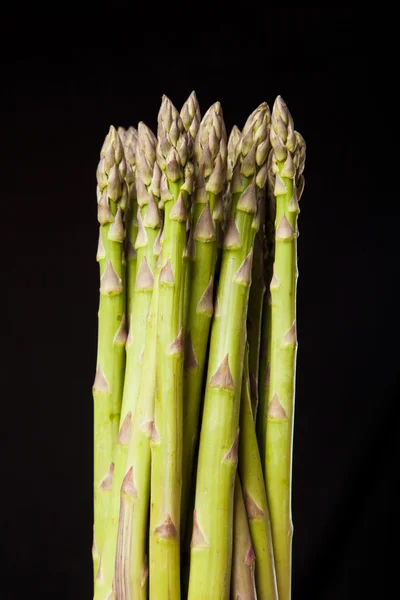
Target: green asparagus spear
174 149
190 115
131 570
148 218
107 387
243 557
280 411
265 345
254 493
210 154
211 547
256 298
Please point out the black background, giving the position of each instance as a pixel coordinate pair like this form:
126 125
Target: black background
66 78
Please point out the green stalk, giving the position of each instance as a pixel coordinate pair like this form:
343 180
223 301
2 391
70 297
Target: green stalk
107 387
173 152
280 412
256 298
265 345
190 115
254 493
243 558
148 218
131 570
211 546
210 154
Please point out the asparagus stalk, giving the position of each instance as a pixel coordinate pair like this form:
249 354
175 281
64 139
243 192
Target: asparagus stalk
280 411
254 318
107 387
210 154
129 140
148 218
211 546
173 153
190 115
243 558
254 493
265 346
131 570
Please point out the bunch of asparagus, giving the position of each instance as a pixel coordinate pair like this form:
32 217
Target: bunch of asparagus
195 379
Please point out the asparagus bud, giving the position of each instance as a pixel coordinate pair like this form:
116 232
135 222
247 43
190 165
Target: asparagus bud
190 115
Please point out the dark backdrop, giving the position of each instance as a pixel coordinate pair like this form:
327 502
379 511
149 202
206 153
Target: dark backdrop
65 79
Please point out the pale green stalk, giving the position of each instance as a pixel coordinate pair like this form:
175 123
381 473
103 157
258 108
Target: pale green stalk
210 154
243 557
190 115
131 571
148 219
254 493
174 149
265 345
107 387
256 298
280 411
211 547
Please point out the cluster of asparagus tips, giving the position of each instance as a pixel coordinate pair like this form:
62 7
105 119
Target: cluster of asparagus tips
196 335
